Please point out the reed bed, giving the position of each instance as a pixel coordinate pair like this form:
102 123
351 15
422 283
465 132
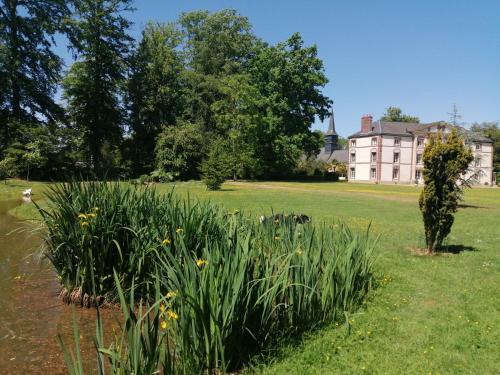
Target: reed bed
214 287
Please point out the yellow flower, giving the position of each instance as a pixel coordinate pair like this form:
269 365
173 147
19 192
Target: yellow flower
171 295
299 252
17 278
84 224
164 324
201 262
276 221
277 238
166 241
82 216
179 230
172 315
95 209
92 215
162 307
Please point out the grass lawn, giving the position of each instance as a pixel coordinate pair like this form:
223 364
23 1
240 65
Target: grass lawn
431 314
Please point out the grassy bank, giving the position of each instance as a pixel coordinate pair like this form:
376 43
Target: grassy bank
435 314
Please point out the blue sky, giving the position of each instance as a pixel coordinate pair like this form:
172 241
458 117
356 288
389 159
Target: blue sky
422 56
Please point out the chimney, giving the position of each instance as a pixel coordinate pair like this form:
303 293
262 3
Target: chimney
366 123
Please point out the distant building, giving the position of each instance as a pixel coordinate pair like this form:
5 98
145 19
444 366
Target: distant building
332 152
383 152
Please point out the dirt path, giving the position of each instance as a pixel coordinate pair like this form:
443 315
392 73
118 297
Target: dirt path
349 192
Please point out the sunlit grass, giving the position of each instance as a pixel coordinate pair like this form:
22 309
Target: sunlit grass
424 319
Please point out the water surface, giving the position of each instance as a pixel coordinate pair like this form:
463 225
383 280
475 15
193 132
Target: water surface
31 314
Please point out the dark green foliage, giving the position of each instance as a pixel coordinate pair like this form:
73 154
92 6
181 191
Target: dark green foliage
216 168
92 86
445 163
179 150
289 78
396 114
29 69
225 286
154 91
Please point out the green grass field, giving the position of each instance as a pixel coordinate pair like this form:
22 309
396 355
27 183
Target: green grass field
431 314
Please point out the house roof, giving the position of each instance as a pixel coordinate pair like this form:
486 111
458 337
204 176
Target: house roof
411 128
339 155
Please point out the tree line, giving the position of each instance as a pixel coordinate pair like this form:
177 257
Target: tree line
203 93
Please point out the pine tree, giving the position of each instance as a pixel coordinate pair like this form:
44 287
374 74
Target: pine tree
29 69
93 86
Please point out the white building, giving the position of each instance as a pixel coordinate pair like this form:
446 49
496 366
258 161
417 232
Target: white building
391 152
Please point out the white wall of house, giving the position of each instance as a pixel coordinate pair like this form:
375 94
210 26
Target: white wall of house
410 150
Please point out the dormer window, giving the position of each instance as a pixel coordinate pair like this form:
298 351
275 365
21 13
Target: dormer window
397 141
374 141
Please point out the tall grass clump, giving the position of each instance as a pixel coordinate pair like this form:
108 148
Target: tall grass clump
95 228
226 286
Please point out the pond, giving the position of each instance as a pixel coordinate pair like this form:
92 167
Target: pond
31 314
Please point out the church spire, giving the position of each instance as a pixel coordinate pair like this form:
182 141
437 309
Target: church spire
331 125
331 136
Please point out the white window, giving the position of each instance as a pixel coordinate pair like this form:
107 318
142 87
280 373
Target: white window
420 142
477 161
374 141
353 173
353 143
353 157
478 146
397 141
418 174
373 173
396 157
374 157
395 173
419 158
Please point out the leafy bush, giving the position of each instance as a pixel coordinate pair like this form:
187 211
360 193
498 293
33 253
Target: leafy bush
179 150
445 163
229 286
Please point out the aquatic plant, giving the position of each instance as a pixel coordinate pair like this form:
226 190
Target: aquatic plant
222 285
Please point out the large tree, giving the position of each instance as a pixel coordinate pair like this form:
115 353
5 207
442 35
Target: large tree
446 160
289 78
154 90
92 87
216 45
396 114
29 68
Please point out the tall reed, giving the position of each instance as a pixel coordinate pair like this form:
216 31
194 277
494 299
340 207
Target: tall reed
230 285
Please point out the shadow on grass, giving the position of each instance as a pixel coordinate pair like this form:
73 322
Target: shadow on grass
455 249
469 206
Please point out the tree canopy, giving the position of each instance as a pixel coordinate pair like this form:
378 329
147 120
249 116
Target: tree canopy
187 84
395 114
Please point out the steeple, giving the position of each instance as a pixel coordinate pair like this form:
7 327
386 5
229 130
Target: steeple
331 136
331 125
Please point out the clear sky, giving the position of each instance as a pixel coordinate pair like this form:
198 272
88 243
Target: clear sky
420 55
